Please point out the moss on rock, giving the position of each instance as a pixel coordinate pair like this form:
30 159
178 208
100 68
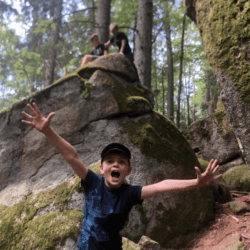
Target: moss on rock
131 98
19 229
238 178
157 137
225 33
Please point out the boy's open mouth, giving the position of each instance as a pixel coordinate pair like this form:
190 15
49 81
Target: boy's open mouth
115 174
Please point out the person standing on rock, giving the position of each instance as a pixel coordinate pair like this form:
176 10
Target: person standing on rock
121 40
98 50
108 199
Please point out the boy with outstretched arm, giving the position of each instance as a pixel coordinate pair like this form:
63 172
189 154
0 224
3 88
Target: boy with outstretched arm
109 200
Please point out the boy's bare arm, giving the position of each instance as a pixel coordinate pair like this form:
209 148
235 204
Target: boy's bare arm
67 151
168 186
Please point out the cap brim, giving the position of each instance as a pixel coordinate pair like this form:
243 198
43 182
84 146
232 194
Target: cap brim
114 150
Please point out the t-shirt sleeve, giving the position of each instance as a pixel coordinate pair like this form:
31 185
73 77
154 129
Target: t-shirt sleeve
103 47
136 194
123 36
91 181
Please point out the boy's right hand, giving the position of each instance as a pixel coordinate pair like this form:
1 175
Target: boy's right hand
37 121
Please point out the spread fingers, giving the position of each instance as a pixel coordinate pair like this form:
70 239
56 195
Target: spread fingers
36 108
27 123
31 109
26 115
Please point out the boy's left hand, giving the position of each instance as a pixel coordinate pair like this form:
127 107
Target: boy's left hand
204 179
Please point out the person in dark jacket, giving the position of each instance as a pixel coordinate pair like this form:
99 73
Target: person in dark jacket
98 50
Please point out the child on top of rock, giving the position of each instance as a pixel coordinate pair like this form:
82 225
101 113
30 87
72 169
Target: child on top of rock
121 40
108 200
98 50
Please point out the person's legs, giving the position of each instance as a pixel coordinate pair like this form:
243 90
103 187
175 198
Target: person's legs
87 59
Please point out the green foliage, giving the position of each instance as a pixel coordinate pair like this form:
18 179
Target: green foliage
24 62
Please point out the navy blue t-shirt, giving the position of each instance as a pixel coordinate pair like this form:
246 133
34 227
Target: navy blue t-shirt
118 41
105 213
98 50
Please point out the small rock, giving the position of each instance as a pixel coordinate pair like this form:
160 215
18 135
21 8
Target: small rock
147 244
238 208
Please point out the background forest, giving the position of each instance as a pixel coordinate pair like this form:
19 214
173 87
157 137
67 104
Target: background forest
56 38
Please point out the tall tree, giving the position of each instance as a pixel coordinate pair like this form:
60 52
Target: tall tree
103 20
143 42
50 61
170 96
180 76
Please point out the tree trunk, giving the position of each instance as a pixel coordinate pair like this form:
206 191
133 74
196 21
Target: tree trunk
193 113
52 51
33 47
103 20
156 92
143 42
188 108
92 16
180 76
163 92
170 98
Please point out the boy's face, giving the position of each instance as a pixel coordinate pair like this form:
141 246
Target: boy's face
115 32
95 41
115 168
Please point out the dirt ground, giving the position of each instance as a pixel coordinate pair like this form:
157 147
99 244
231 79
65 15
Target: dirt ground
226 223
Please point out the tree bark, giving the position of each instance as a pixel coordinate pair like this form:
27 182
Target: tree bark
92 16
103 20
180 76
52 51
163 92
32 47
170 97
193 113
143 42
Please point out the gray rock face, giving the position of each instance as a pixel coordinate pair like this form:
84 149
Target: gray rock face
215 138
36 181
236 162
238 113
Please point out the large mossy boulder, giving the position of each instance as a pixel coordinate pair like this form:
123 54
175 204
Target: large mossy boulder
225 34
214 137
237 178
42 204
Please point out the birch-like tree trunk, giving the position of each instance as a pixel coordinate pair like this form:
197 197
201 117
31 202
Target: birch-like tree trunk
170 97
180 76
143 42
193 113
103 20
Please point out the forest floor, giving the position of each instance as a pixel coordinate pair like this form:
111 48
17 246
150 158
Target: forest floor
226 224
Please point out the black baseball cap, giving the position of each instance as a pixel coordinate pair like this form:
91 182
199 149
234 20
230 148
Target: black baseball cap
116 147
